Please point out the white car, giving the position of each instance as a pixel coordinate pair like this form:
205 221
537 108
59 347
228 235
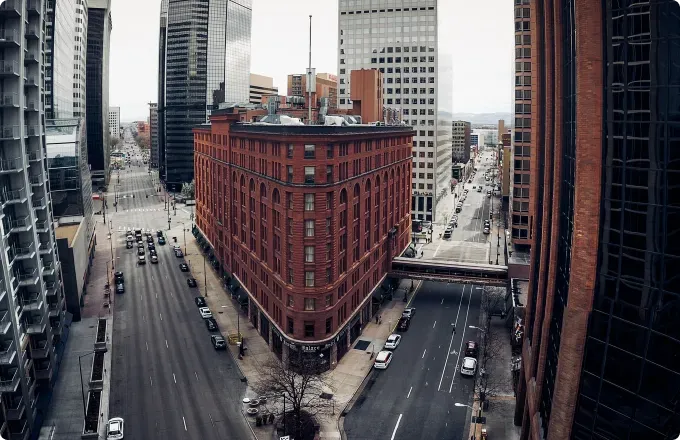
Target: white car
141 259
176 247
469 366
382 361
205 312
114 429
154 259
408 312
392 341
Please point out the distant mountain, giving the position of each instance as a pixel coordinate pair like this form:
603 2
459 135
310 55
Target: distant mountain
484 118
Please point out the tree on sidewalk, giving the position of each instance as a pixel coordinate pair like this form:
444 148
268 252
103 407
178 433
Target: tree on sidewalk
492 347
301 390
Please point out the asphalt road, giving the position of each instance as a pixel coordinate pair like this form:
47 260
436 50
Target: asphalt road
414 397
167 380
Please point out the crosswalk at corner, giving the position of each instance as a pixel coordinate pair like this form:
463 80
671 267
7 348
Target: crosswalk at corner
144 210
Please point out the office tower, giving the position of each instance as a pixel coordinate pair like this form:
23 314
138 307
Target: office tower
461 141
207 63
521 216
315 306
79 58
98 37
407 41
31 298
114 122
259 86
601 344
153 124
60 30
162 45
326 87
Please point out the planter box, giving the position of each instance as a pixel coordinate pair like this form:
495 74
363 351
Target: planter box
97 373
91 423
100 339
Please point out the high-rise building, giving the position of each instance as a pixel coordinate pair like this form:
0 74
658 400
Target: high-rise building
60 29
153 125
207 63
323 271
98 38
601 335
259 86
460 135
114 122
162 49
79 58
326 86
520 170
31 297
418 80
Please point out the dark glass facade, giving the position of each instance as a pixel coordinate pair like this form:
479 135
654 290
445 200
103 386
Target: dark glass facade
59 58
162 46
630 384
207 63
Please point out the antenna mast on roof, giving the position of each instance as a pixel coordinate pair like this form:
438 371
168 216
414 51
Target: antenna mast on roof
310 75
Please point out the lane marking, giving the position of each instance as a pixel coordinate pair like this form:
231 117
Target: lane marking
166 344
453 334
161 316
423 357
461 340
174 378
147 345
442 301
409 392
435 323
212 422
396 426
196 374
151 380
185 423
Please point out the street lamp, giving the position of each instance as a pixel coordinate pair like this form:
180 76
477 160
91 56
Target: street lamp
478 328
479 415
82 387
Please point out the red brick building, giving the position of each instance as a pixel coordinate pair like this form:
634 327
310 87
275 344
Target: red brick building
305 220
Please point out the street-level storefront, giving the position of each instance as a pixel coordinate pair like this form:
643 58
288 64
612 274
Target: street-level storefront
311 358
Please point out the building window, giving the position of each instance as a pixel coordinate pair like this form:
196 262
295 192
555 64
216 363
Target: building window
290 173
309 228
310 151
329 325
309 254
291 326
310 304
309 278
309 329
329 300
291 301
290 151
309 174
309 202
329 173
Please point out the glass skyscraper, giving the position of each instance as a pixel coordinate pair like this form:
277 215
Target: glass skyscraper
207 63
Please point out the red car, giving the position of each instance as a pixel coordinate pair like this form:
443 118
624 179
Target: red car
471 349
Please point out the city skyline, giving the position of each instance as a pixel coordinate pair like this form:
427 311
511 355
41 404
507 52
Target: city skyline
482 80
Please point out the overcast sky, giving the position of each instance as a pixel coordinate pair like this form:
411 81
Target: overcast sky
483 44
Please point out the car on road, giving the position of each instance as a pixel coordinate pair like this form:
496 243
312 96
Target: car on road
161 241
120 287
218 342
191 282
152 252
468 367
140 251
205 312
149 238
154 259
130 238
409 312
404 324
141 259
488 193
392 342
159 233
471 349
487 230
382 360
469 180
211 324
200 301
176 247
151 247
178 254
184 267
118 276
479 189
448 232
114 428
129 245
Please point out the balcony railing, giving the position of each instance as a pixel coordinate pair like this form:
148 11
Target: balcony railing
31 81
50 288
32 32
12 195
32 106
39 203
9 382
34 155
55 307
16 408
43 248
44 372
5 322
7 354
19 223
31 302
9 68
48 268
11 7
36 327
10 100
9 36
24 251
33 6
32 130
37 180
11 165
9 132
41 225
27 278
30 57
40 351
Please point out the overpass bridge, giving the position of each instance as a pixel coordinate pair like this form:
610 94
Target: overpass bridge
449 271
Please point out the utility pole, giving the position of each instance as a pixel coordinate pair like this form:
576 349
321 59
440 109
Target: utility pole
309 75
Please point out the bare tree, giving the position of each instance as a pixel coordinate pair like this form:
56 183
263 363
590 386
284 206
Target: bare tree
493 344
301 389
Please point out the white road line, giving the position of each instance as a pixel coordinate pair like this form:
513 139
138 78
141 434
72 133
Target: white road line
396 426
196 374
423 357
161 316
151 380
174 378
461 341
166 344
409 392
442 301
157 296
435 323
185 423
453 334
147 345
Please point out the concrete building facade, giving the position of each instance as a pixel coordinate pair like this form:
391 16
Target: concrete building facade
326 87
304 220
60 28
79 58
153 141
261 85
461 141
601 333
114 122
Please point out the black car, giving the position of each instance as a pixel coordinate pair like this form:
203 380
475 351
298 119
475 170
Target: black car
404 324
184 267
159 233
178 253
471 349
140 251
191 282
200 301
218 342
120 288
118 276
161 241
149 238
211 324
151 247
152 252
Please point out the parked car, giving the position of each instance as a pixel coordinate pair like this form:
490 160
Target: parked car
471 349
114 428
120 287
404 324
448 232
469 366
184 267
118 276
392 341
218 342
408 312
178 254
200 301
205 312
192 282
211 324
383 360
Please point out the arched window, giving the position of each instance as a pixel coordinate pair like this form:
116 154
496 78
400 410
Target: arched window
343 196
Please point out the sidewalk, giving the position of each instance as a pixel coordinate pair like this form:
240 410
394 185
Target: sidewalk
345 380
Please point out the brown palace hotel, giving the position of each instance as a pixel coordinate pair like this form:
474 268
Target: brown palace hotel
601 349
306 220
